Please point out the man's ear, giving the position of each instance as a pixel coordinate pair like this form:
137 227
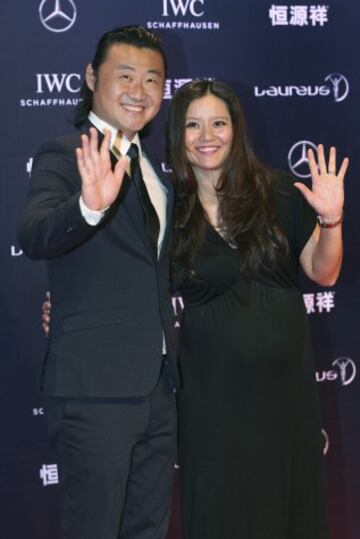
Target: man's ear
90 77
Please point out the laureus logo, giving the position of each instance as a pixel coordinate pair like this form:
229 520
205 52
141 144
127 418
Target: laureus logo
57 15
337 86
340 86
326 441
344 371
347 369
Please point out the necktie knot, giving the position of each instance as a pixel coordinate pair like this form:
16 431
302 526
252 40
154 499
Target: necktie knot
133 151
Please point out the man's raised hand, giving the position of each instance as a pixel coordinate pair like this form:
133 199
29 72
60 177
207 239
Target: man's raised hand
100 184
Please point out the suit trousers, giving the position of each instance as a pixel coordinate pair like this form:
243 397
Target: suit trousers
116 460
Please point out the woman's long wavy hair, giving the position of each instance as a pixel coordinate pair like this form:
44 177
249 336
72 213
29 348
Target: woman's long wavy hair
246 205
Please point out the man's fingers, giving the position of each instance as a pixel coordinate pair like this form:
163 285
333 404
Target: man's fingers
87 153
85 145
93 137
46 329
81 164
46 307
86 166
80 157
94 146
105 145
83 156
120 169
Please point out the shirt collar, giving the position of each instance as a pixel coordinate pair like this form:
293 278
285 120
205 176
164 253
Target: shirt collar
125 142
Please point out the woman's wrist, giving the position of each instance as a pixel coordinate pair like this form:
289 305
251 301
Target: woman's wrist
330 223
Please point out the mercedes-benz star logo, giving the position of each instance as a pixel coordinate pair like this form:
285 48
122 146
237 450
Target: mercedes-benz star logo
297 158
57 16
347 369
340 86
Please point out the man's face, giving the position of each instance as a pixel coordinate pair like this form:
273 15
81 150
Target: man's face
128 88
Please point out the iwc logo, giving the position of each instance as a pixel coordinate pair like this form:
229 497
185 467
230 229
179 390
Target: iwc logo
298 160
183 15
195 7
57 15
54 90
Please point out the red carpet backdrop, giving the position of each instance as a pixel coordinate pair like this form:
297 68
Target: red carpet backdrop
295 68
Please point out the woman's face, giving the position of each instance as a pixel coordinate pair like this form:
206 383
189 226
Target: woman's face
208 134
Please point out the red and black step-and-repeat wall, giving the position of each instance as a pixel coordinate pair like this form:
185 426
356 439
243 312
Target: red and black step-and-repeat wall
295 67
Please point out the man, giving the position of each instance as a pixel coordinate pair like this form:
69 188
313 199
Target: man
103 223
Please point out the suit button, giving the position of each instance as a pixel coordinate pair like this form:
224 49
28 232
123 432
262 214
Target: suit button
70 228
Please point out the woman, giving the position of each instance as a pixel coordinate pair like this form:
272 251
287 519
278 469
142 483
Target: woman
249 427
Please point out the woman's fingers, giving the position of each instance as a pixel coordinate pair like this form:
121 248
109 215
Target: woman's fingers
321 159
313 164
343 168
320 167
332 161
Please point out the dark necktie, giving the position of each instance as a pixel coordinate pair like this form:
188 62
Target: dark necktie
151 218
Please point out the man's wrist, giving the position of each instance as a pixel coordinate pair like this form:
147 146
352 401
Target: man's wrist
92 217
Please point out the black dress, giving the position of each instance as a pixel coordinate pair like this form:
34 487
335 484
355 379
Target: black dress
250 447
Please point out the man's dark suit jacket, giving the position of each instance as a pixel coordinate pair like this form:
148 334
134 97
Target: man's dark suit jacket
109 292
